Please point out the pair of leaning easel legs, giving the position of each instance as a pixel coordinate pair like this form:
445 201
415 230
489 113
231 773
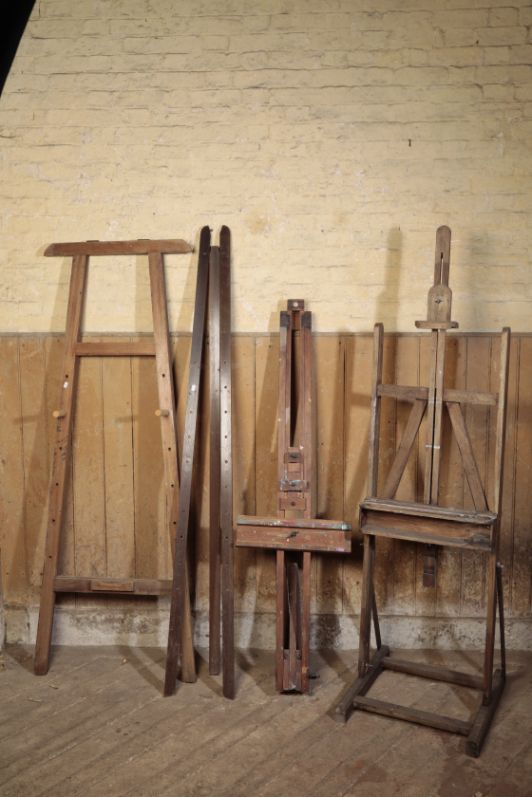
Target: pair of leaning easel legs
213 288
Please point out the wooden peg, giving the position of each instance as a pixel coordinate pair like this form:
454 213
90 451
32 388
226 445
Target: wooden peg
162 413
58 413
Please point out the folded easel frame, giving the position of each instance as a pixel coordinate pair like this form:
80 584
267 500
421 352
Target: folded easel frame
296 532
381 515
213 296
75 348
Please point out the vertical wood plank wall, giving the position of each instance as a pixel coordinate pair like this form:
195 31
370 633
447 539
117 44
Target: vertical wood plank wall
115 506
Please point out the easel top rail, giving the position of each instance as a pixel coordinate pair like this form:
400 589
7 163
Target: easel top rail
141 246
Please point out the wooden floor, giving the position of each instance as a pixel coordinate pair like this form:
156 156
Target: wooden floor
97 726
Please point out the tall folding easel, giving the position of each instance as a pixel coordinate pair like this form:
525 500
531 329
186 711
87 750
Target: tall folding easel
296 532
214 282
75 348
381 515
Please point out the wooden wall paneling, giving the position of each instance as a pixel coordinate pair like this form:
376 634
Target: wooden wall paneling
327 570
36 461
477 422
54 348
522 553
89 474
384 561
266 408
151 535
449 567
12 531
506 538
358 364
244 456
118 459
404 553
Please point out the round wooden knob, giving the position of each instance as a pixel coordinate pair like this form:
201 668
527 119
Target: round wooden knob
58 414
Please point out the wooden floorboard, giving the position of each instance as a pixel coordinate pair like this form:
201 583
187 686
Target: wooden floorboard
97 724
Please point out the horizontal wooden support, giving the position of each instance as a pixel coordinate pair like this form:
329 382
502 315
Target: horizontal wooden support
432 531
413 393
482 721
129 586
470 397
293 538
414 508
403 392
293 523
393 710
115 349
141 246
436 324
433 672
360 686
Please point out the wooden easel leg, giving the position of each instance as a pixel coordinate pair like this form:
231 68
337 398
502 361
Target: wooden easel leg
366 608
305 624
500 597
60 465
292 676
280 623
165 387
490 628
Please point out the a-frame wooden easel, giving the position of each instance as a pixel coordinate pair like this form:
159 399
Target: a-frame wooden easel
75 348
296 532
474 530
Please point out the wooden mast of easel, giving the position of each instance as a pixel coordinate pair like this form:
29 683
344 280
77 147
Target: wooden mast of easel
296 532
438 321
381 515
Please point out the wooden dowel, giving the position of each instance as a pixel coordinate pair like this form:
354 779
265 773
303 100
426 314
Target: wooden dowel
58 413
162 413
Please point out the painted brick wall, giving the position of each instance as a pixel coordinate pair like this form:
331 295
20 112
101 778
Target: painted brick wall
333 136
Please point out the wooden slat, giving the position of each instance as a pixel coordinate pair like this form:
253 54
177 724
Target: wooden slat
226 475
290 523
141 246
215 610
409 714
428 531
169 436
118 348
134 586
180 601
434 672
421 511
297 539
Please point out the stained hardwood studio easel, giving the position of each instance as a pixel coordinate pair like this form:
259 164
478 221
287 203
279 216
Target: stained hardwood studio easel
214 284
428 522
75 348
296 532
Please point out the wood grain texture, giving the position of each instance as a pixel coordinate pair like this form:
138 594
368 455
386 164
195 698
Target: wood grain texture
30 367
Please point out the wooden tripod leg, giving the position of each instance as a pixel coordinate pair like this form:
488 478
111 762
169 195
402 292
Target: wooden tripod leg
366 607
179 582
226 475
61 463
165 388
280 620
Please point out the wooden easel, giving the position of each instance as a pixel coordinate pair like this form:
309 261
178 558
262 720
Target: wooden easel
474 530
75 348
214 273
296 532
